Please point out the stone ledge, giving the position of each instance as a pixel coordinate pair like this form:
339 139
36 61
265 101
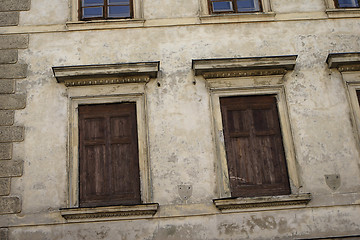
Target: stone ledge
11 134
5 151
106 73
9 19
15 5
107 213
243 67
4 187
10 205
12 101
11 168
8 56
231 204
18 41
344 61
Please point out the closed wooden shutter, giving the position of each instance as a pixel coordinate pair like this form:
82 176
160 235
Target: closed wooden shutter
109 162
254 149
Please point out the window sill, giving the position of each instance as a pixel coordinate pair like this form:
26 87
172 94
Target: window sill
239 17
271 202
109 213
343 12
105 24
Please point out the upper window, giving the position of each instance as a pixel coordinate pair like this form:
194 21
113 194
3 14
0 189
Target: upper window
105 9
347 3
234 6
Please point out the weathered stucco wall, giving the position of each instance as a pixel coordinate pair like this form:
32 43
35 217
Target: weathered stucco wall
181 147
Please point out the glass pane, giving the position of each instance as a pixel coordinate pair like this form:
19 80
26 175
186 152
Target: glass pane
119 11
248 5
89 3
118 2
348 3
92 12
222 6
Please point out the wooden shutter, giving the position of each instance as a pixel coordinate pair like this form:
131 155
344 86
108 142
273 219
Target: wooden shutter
109 162
254 149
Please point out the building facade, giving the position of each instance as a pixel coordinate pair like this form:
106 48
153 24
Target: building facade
193 119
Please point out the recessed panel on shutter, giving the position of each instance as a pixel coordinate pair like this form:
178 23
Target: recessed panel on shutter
254 149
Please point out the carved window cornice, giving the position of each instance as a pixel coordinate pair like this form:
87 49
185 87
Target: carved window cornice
106 73
344 62
243 67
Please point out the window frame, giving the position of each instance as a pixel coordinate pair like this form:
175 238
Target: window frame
235 9
227 77
75 101
279 92
100 84
75 13
105 12
205 9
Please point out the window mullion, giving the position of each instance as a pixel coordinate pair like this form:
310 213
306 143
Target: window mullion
235 8
105 11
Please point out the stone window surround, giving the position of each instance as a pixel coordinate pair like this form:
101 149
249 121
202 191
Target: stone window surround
334 12
242 77
98 84
348 64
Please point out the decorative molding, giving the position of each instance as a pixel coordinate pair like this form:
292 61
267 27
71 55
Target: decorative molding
244 73
261 202
104 81
344 62
243 67
76 214
106 73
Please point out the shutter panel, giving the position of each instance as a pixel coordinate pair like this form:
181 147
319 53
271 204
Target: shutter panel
109 162
254 149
